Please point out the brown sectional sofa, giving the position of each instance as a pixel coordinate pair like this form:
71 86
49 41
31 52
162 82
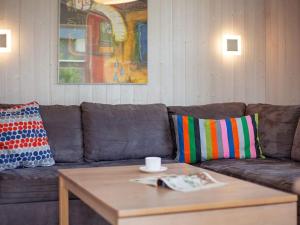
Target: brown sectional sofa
95 135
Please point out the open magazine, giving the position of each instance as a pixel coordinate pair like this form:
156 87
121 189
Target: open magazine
183 183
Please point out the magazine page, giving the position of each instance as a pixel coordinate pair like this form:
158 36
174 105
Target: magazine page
182 183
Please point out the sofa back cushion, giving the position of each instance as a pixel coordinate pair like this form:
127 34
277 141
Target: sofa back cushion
296 144
211 111
64 129
277 125
115 132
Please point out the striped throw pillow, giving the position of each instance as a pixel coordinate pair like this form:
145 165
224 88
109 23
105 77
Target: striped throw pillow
206 139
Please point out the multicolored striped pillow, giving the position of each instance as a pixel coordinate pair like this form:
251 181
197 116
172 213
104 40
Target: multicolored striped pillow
206 139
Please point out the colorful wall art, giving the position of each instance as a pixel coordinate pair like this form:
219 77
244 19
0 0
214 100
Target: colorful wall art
103 42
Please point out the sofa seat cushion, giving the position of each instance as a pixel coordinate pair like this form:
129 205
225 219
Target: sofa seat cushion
274 173
117 132
41 183
31 184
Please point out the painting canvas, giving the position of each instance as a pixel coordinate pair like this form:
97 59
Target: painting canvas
103 42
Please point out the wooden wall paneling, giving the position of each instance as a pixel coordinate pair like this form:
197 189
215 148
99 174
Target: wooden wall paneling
2 79
12 80
27 44
226 69
239 72
282 52
113 94
292 70
41 51
140 95
268 45
220 14
153 93
126 94
203 48
249 48
271 48
3 58
179 51
85 93
186 65
213 62
71 95
290 48
282 79
165 52
259 84
100 93
255 51
56 91
192 53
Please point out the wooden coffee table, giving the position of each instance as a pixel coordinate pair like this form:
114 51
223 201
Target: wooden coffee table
108 191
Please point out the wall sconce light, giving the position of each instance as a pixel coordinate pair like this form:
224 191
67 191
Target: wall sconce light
232 45
5 40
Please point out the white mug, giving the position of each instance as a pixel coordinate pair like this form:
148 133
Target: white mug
153 163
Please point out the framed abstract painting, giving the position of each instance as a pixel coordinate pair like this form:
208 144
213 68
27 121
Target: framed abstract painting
103 42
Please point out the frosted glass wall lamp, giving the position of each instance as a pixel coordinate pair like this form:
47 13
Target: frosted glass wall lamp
5 40
232 44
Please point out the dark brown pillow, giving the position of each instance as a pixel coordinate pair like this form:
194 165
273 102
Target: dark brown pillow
296 144
276 128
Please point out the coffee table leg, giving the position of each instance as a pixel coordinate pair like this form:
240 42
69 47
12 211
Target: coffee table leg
63 203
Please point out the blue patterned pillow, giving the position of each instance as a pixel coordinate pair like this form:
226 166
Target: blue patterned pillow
23 138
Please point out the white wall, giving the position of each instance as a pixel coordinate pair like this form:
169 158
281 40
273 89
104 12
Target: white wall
185 66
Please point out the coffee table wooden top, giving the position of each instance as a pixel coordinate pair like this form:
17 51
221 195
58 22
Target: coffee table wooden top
109 188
